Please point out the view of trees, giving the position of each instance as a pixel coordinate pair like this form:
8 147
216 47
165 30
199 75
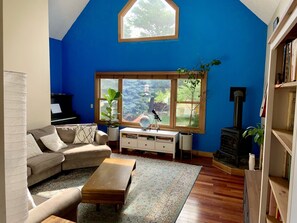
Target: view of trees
187 114
142 96
149 18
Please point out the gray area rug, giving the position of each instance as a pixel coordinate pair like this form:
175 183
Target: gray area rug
158 192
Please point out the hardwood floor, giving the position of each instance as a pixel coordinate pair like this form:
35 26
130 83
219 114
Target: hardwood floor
215 196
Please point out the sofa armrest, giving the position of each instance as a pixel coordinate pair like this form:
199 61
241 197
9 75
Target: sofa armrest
101 137
63 205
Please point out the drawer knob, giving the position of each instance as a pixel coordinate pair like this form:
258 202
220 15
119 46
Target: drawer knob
163 147
128 142
145 144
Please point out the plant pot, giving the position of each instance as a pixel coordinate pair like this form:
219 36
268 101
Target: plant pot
113 133
185 141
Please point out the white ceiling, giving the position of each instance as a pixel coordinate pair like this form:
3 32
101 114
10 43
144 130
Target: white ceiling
63 13
264 9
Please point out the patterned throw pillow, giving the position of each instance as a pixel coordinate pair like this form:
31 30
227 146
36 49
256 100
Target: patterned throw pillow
85 134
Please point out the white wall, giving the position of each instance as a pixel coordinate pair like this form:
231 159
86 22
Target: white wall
2 164
25 40
283 5
26 49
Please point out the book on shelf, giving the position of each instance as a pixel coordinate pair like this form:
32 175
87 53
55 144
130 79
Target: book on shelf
293 72
286 62
288 167
272 205
277 214
289 63
291 110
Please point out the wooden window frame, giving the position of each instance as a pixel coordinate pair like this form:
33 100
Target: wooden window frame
161 75
128 6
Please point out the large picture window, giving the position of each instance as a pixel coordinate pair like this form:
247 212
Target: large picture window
166 92
148 20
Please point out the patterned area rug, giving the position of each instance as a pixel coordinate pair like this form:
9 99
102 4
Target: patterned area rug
158 192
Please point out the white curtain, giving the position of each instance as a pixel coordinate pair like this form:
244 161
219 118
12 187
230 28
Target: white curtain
15 94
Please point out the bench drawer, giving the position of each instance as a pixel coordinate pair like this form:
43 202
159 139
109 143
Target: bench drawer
165 147
129 142
146 144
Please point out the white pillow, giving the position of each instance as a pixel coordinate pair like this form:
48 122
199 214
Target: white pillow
53 142
85 134
32 147
31 203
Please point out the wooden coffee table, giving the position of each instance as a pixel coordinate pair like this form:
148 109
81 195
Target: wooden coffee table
56 219
110 183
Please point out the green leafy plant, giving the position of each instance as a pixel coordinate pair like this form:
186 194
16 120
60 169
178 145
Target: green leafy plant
193 80
256 132
110 117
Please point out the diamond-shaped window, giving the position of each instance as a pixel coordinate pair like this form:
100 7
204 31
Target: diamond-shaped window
148 20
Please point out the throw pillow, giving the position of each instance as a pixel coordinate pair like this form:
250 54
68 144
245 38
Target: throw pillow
32 147
66 132
53 142
85 134
38 133
31 203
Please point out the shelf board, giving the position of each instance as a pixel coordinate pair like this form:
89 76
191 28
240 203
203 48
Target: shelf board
270 219
286 85
280 189
285 137
253 183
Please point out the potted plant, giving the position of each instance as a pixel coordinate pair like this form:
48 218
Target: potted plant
192 83
258 134
111 117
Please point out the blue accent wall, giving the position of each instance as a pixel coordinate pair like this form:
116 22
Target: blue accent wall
56 65
208 29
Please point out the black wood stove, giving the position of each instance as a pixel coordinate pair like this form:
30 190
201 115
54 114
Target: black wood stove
233 146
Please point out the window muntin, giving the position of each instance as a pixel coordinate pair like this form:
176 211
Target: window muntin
140 97
148 20
179 105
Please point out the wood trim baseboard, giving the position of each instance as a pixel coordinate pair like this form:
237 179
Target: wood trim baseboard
202 153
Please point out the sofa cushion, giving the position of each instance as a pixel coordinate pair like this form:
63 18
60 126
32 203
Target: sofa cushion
45 161
31 203
63 204
83 151
101 137
66 132
85 134
29 171
32 147
38 133
39 199
53 142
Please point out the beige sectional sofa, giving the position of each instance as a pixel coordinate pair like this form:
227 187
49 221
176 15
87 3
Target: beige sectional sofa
76 155
63 205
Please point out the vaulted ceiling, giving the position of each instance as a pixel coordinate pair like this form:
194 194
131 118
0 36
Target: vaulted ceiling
63 13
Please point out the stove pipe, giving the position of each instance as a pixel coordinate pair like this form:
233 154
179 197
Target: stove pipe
238 104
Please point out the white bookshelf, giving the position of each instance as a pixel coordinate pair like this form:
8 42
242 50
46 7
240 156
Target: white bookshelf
279 154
